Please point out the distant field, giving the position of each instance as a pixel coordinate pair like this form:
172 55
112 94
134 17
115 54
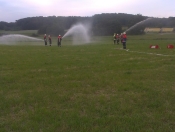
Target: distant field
24 32
96 87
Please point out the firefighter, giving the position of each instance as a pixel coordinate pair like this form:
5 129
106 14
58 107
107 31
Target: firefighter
114 36
121 37
124 40
59 40
45 39
117 38
50 40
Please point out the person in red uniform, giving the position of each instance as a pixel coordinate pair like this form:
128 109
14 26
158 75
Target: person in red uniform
50 40
45 39
59 40
124 40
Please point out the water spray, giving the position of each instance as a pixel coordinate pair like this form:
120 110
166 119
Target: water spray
79 33
138 24
13 38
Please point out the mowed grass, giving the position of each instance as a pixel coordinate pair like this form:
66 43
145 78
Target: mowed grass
96 87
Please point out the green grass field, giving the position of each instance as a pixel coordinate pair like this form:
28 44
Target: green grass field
96 87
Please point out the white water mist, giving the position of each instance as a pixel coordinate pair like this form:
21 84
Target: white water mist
79 33
14 38
146 20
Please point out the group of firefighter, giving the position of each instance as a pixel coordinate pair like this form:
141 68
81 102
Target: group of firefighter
50 40
120 38
117 39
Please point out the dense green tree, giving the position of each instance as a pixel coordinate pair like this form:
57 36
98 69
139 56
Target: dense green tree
102 24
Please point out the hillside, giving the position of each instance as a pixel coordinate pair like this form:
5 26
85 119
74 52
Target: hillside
100 24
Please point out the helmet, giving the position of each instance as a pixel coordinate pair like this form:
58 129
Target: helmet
124 32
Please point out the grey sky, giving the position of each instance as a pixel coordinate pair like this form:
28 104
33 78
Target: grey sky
11 10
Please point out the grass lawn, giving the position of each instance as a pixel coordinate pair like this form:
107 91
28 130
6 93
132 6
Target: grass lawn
96 87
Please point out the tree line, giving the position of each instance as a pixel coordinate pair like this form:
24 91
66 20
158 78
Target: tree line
101 24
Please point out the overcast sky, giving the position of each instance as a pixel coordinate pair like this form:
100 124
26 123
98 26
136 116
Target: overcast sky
12 10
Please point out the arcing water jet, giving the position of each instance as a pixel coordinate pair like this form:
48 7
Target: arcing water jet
146 20
13 38
79 34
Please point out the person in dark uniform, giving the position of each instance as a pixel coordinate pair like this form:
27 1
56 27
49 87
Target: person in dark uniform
121 37
45 39
59 40
118 38
50 40
114 36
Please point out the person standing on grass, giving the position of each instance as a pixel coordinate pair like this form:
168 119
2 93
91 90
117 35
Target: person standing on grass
121 37
45 39
59 40
124 38
114 36
50 40
117 38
